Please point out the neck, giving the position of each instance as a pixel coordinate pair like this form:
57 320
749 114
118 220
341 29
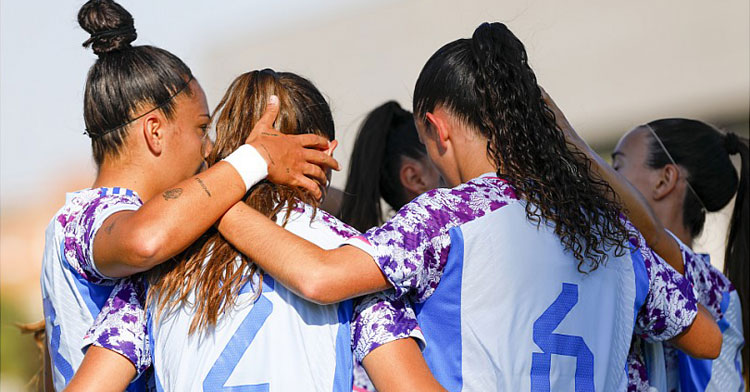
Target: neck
475 160
123 174
670 215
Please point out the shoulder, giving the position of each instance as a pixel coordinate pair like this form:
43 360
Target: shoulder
82 216
438 210
316 225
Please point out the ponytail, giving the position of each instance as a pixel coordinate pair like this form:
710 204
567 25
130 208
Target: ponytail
737 253
387 134
487 83
704 152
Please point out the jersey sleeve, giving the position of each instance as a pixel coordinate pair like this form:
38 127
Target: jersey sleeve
670 306
412 247
121 324
79 238
382 318
710 284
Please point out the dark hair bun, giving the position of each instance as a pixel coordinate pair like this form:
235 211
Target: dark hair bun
111 26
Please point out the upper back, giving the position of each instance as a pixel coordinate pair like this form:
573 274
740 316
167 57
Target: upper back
265 337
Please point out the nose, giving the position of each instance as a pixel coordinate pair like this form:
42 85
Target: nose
208 146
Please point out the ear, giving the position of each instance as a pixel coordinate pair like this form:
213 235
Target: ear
439 125
153 133
411 176
666 182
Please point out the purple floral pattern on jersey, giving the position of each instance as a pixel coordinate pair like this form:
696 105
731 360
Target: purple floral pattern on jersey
709 286
412 247
379 319
82 217
637 373
121 325
362 381
670 305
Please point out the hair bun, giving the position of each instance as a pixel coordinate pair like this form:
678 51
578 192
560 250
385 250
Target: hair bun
110 25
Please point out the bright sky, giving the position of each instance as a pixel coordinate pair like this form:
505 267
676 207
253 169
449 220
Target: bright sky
43 69
609 65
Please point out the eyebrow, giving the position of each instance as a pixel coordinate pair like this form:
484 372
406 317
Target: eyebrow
204 115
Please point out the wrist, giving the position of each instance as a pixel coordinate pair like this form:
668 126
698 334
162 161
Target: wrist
249 164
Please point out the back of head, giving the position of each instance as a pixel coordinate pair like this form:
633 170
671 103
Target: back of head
387 135
218 280
704 152
125 80
487 84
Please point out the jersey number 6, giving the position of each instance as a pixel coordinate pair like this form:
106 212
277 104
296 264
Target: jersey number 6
559 344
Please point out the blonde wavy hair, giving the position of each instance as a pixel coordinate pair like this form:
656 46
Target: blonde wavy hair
209 266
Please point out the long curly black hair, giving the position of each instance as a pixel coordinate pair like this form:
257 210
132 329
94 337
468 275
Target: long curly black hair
487 84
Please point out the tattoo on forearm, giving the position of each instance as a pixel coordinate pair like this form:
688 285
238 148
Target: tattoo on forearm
269 154
269 134
172 194
205 188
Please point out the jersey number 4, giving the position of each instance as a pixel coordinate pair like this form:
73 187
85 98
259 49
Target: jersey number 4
559 344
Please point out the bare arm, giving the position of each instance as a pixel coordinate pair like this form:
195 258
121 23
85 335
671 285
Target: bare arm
400 366
702 339
133 241
322 276
636 207
102 370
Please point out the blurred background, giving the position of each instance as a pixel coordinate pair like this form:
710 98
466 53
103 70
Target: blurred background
609 65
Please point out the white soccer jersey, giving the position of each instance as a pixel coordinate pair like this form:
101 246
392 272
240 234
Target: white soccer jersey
73 291
670 369
502 305
280 342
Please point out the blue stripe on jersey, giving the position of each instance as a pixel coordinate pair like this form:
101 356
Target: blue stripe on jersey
60 363
440 319
695 374
116 190
641 280
149 329
343 376
725 299
93 295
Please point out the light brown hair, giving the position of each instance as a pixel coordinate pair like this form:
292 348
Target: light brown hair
209 266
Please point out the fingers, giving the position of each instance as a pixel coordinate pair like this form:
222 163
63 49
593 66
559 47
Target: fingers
309 185
310 140
320 158
269 115
315 172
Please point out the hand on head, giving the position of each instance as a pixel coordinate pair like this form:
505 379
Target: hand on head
295 160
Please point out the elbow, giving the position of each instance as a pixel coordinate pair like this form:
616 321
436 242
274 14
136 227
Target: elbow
145 249
710 347
714 349
316 287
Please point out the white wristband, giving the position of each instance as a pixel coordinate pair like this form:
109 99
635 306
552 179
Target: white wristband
249 164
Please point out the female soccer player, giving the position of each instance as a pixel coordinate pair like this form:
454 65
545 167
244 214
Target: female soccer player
389 162
682 168
524 258
147 118
215 321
